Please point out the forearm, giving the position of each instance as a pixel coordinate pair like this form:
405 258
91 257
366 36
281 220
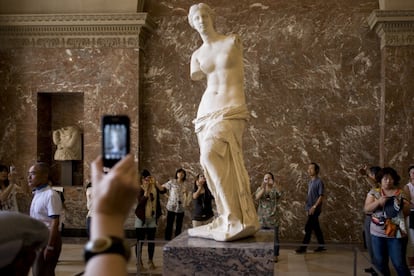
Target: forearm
160 187
106 225
318 202
5 194
407 196
106 264
54 233
142 196
259 193
113 199
406 208
197 193
370 207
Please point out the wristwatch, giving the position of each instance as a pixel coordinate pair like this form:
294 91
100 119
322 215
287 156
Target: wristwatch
106 245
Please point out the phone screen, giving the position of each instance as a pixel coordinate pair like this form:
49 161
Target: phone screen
115 142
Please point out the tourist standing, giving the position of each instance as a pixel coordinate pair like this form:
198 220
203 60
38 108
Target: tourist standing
267 195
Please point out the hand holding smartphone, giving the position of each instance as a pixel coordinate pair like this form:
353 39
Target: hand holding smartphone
115 138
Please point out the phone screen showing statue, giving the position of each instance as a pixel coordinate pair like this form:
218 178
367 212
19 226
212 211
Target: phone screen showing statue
115 139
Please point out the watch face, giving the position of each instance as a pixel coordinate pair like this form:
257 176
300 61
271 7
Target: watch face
107 245
99 245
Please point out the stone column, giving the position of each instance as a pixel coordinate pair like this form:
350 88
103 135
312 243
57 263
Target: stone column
396 31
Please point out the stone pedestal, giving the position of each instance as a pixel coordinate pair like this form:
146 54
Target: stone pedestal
196 256
66 173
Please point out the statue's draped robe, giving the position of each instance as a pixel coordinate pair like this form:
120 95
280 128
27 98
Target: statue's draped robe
220 138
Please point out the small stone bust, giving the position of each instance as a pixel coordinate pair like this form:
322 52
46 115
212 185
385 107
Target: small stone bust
68 140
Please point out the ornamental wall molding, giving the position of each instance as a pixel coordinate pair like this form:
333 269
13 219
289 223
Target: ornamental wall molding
118 30
395 28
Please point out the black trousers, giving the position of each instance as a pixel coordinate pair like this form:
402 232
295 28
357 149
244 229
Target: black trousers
312 224
42 267
149 234
170 224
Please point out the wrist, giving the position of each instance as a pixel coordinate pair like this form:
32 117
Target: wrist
107 225
107 245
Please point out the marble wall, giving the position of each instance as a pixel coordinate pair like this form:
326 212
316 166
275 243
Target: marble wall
45 88
314 90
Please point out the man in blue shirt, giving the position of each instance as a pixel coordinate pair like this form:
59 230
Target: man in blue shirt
313 208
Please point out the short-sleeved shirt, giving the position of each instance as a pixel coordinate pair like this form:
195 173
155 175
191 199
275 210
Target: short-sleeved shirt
267 209
176 200
316 188
46 203
396 218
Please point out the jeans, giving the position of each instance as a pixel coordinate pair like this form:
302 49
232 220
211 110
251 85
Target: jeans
385 248
367 234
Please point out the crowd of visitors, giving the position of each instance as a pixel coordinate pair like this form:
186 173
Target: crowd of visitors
388 225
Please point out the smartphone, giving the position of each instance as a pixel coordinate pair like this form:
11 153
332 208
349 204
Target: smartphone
115 138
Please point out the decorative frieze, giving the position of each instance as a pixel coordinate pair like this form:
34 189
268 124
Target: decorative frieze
74 30
395 28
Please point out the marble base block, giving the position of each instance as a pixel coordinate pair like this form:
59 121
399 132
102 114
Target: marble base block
187 255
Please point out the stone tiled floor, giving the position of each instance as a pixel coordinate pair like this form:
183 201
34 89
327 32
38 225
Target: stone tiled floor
71 259
337 260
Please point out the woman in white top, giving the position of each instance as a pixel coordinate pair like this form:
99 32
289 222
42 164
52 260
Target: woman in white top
178 198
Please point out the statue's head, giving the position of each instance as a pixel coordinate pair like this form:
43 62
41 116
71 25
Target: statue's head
198 7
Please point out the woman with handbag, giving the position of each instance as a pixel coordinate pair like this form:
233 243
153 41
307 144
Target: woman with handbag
372 183
147 212
389 207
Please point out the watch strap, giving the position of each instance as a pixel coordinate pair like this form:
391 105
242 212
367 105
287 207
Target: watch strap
106 245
